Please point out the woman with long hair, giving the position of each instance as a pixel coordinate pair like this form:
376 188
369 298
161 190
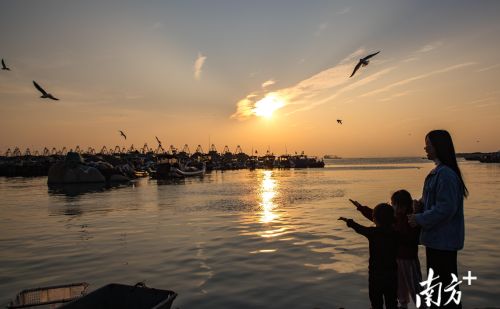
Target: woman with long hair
440 214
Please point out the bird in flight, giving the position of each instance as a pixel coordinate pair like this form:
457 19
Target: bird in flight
159 142
339 121
45 94
122 134
4 67
363 62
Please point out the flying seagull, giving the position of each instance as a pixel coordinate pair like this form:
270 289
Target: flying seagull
4 67
159 142
45 95
122 134
339 121
363 62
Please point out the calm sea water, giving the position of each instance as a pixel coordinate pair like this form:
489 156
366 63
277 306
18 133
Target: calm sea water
238 239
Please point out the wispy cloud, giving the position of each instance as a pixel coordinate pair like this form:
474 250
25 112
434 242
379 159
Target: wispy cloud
418 77
133 96
328 85
417 54
308 93
198 65
431 46
268 83
157 25
477 103
488 104
322 27
350 87
491 67
410 59
479 100
394 96
253 74
344 11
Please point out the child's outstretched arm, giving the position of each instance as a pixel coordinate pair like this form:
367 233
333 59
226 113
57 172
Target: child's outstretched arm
366 211
358 228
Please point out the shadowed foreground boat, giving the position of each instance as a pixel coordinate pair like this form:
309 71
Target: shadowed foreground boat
111 296
48 297
120 296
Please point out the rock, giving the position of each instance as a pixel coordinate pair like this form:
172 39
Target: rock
72 170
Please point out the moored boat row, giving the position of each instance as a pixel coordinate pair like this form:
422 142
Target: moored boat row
488 157
143 163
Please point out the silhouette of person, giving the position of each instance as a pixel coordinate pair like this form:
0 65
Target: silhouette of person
409 274
383 246
440 212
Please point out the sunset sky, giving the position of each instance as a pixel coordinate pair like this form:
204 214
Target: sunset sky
253 73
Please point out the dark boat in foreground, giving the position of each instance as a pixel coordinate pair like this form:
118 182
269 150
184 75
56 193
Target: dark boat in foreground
120 296
110 296
48 297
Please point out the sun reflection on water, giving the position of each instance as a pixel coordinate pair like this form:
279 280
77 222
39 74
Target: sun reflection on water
268 192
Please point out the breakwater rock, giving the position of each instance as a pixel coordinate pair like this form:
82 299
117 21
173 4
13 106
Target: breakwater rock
73 170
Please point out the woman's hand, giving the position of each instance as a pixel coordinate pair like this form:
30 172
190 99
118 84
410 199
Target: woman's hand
412 220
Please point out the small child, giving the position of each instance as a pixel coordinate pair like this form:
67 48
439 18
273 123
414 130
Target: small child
409 274
382 269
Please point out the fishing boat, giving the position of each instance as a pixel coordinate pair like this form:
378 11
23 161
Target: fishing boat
285 161
170 167
189 171
331 157
121 296
48 297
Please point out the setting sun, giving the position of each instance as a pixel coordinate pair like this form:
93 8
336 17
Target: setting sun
267 105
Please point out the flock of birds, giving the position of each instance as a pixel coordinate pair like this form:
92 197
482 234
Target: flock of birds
46 95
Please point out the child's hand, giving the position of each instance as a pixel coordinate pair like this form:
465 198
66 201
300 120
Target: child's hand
412 220
348 222
356 203
418 206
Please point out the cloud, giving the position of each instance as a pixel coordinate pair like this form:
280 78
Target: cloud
198 65
411 79
396 95
344 11
487 104
268 83
157 25
410 59
309 92
244 108
320 29
427 48
489 68
351 87
133 96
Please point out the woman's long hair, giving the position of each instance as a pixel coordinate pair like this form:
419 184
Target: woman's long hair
445 152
